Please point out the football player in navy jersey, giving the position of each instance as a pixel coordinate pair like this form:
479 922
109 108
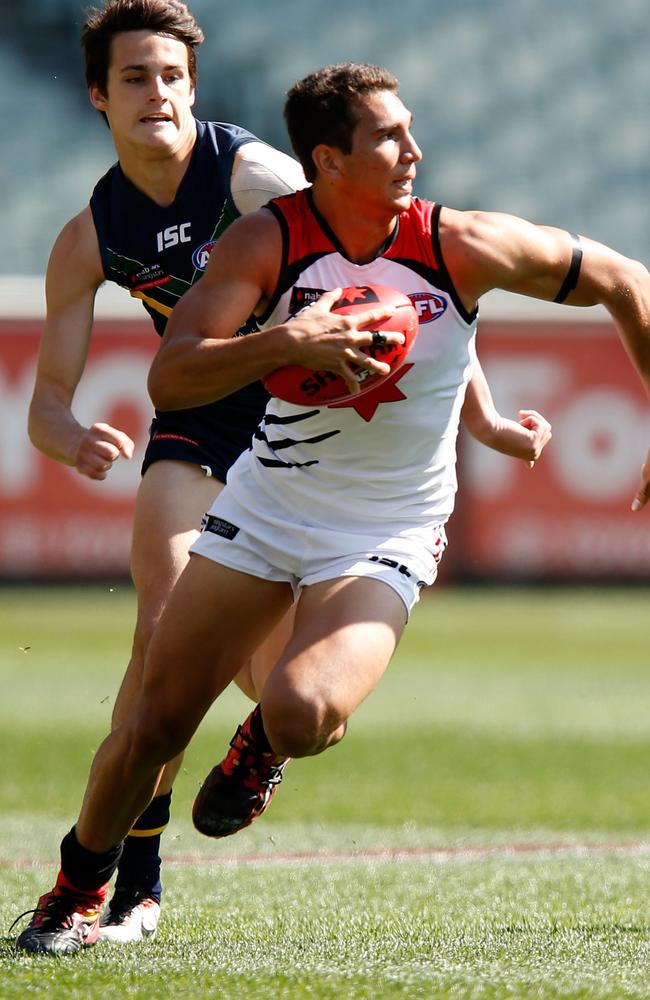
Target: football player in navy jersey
149 227
177 184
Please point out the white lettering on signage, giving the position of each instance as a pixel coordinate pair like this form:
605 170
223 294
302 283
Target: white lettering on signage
515 383
17 457
107 383
599 440
602 436
118 379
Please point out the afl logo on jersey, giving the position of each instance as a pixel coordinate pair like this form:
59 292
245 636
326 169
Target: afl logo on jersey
201 255
428 306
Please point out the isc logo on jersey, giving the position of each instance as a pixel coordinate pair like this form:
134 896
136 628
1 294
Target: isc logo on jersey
170 237
428 306
201 255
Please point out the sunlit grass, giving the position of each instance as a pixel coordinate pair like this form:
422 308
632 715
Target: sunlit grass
509 744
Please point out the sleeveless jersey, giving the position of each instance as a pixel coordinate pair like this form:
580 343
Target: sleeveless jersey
387 456
157 253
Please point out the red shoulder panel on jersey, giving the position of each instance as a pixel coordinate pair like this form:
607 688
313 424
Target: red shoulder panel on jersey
413 241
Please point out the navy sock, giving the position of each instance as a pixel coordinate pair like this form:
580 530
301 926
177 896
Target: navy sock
256 726
139 867
86 869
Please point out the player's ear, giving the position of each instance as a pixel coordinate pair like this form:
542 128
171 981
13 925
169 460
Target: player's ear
192 97
327 160
98 100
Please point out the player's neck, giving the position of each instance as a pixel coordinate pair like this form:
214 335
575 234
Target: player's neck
157 173
361 235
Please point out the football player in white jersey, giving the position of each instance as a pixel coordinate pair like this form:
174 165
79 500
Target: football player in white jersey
141 71
339 650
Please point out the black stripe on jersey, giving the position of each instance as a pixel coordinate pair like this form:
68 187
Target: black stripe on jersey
288 275
269 463
438 279
282 443
449 286
289 278
284 230
270 418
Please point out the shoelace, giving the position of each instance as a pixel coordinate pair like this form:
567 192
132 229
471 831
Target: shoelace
55 909
258 762
240 743
274 775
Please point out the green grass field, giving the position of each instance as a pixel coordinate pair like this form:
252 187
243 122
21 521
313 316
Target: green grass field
482 831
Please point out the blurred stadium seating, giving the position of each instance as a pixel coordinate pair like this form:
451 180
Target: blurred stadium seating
537 109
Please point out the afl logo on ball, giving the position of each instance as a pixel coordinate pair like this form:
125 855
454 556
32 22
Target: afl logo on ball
428 306
201 255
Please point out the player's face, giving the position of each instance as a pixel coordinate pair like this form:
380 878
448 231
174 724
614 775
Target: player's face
381 166
149 95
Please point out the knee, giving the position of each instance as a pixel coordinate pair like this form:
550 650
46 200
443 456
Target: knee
245 682
302 726
144 629
132 680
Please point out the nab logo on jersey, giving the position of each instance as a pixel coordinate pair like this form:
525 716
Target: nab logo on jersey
169 237
201 255
303 297
428 306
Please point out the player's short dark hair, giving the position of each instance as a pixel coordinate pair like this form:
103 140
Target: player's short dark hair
166 17
323 107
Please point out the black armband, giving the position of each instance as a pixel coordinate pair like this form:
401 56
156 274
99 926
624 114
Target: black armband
573 273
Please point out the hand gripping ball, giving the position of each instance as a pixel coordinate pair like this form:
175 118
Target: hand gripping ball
306 387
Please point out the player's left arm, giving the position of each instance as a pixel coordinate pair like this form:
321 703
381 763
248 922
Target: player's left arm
525 440
486 250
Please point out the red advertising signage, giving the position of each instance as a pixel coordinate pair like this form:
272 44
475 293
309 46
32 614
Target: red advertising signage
54 522
570 516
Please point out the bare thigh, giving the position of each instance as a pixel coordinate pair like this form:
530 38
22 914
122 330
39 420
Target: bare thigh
213 621
172 498
214 618
345 634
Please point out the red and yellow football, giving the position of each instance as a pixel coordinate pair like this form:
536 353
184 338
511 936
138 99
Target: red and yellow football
306 387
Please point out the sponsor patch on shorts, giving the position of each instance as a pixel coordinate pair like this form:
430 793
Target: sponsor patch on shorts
393 564
218 526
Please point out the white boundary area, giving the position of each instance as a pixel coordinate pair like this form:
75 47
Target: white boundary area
469 852
23 297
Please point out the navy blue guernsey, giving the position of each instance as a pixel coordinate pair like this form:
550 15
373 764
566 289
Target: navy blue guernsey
157 253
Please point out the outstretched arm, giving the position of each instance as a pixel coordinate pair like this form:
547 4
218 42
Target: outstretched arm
73 275
486 250
525 440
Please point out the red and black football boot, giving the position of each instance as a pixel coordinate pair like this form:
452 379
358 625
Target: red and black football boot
64 921
240 788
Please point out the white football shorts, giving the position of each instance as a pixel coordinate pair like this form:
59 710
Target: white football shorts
267 542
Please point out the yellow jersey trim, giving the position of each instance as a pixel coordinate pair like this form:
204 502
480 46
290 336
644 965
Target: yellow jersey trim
165 310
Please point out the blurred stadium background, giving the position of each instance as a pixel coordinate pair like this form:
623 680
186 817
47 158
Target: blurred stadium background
536 109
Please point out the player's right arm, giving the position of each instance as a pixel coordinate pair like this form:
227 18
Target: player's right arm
200 359
74 274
